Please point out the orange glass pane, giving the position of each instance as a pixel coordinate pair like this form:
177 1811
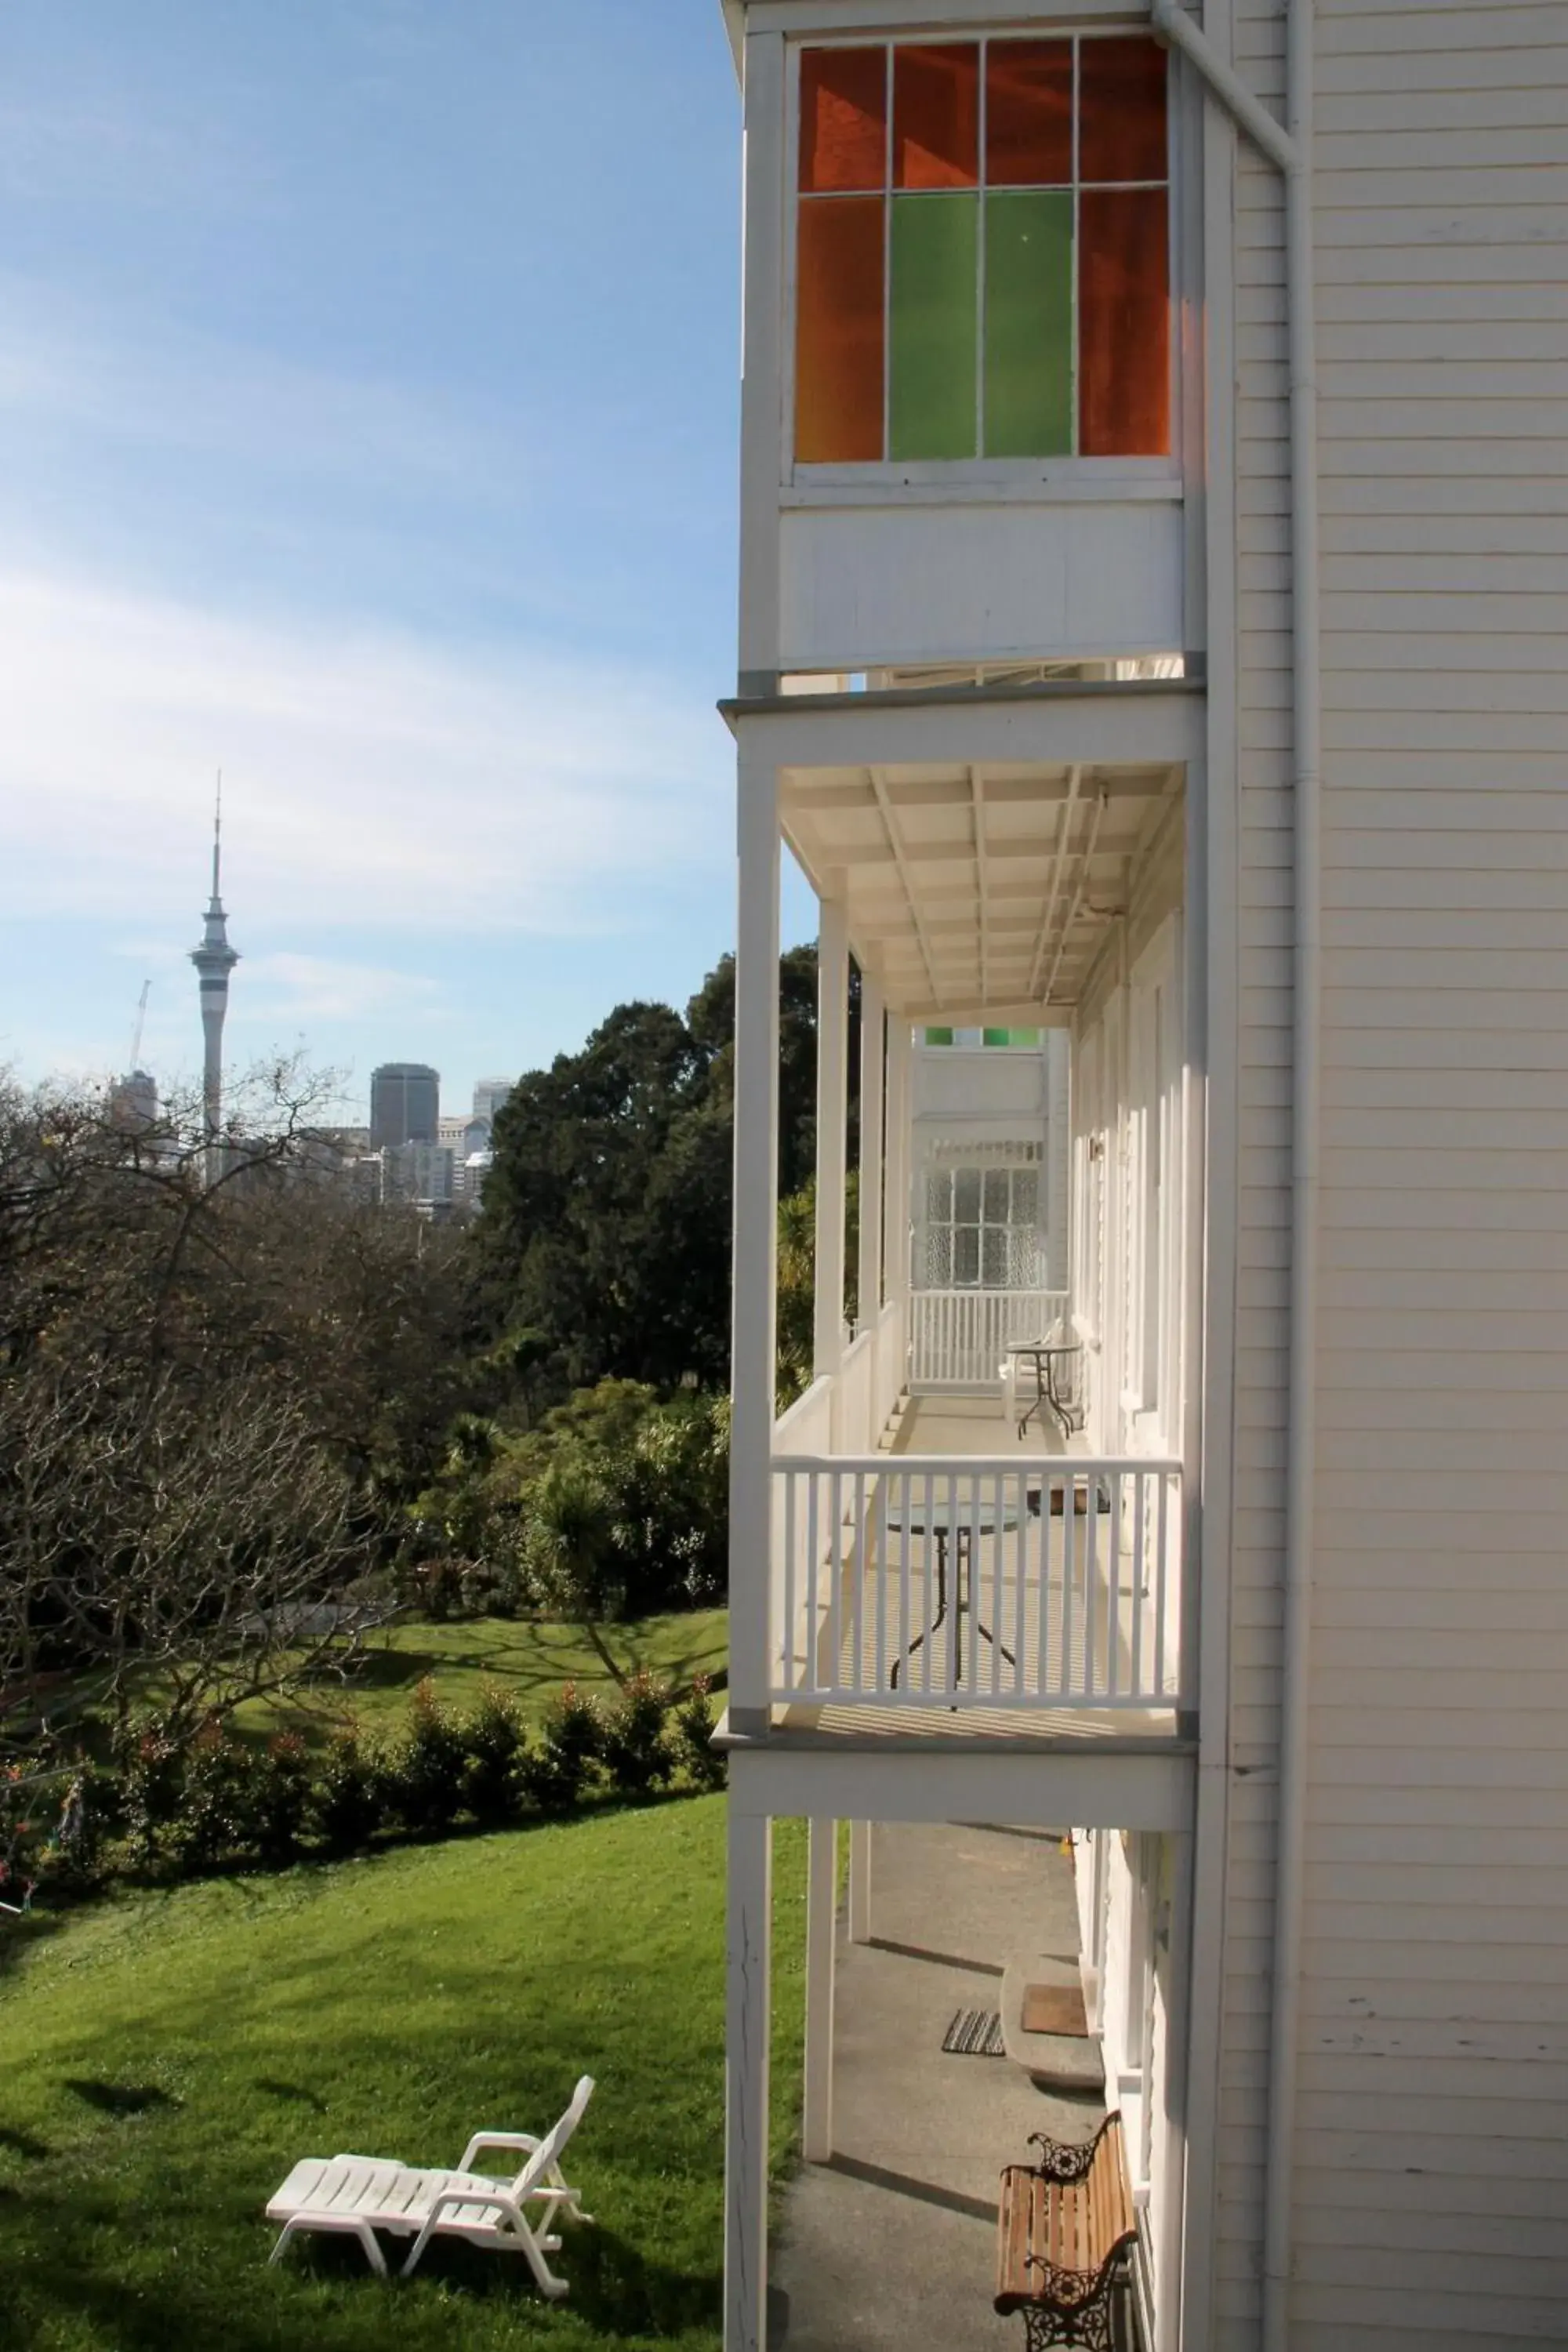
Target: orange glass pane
1029 114
1122 109
1124 324
936 116
843 119
838 336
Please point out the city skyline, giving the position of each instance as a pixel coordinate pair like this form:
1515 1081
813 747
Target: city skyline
325 470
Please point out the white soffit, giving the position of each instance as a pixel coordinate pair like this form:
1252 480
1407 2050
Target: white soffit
973 885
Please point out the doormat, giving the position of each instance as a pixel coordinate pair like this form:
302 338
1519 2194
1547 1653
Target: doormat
1055 2009
975 2034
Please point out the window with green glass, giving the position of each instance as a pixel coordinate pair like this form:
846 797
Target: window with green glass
982 250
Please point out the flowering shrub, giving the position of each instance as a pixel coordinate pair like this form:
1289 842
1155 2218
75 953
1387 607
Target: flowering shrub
635 1752
569 1745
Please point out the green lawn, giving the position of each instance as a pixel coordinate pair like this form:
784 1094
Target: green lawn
168 2057
529 1661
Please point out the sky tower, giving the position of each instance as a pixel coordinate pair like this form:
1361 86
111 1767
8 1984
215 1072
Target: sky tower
214 960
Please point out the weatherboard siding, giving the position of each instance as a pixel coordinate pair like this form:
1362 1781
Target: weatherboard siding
1431 2176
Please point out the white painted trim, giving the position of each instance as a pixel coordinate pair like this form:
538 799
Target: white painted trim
763 355
873 1150
1214 943
755 1236
1098 1788
985 481
821 1941
820 20
832 1118
747 2024
859 1881
1149 726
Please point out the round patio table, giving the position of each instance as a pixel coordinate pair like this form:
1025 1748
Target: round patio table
955 1520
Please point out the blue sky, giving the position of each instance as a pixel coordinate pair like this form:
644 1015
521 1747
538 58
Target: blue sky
368 387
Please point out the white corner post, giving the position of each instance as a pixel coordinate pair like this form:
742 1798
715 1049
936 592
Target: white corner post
832 1140
859 1881
755 1244
747 2013
896 1209
873 1156
821 1910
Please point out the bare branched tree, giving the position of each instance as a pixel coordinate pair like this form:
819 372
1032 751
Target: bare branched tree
208 1392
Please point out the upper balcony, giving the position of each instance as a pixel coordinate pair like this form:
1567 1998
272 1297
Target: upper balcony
964 406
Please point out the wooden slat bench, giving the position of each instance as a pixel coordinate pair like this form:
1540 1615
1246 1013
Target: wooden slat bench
1064 2230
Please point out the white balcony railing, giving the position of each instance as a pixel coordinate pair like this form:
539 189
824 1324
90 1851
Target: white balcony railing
958 1338
920 1580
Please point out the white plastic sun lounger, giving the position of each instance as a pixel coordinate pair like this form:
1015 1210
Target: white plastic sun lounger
359 2195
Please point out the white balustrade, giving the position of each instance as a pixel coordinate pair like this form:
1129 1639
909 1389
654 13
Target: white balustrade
958 1338
929 1581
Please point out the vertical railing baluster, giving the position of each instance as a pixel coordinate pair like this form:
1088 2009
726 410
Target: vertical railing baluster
882 1572
906 1493
928 1544
1090 1580
1139 1566
999 1546
1043 1603
857 1569
1069 1570
787 1669
1021 1569
976 1590
1160 1539
834 1577
813 1562
1113 1610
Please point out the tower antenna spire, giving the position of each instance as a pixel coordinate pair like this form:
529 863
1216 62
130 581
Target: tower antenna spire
214 960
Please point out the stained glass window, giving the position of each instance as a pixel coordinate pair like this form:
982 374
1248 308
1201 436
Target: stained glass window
982 250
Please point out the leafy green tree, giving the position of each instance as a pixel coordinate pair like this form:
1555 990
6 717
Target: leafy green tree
605 1226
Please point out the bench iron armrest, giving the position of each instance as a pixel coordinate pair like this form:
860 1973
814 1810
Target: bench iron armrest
1063 2159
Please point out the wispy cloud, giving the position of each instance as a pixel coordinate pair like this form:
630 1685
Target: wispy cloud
370 781
114 376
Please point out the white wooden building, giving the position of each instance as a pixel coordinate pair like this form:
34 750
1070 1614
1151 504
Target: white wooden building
1155 560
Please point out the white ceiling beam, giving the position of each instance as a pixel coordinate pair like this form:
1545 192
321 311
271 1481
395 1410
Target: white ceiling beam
896 844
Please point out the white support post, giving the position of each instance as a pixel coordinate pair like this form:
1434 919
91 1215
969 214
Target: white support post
859 1881
895 1213
1172 2222
821 1908
832 1123
747 2020
1058 1160
755 1245
869 1282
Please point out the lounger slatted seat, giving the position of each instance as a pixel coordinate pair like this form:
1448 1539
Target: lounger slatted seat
359 2195
1065 2227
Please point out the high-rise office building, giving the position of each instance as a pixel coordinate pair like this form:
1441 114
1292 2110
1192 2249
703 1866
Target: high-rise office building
404 1104
490 1094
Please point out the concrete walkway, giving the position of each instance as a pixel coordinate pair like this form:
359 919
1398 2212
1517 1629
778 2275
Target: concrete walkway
892 2244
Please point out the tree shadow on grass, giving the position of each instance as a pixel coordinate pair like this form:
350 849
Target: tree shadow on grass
611 2284
21 2143
121 2099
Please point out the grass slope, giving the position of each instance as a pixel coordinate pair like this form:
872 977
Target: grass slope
530 1661
169 2056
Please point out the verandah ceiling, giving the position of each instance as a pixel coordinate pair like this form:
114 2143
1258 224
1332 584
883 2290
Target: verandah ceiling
968 887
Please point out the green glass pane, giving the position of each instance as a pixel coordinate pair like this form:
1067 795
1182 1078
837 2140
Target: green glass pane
931 329
939 1036
1028 324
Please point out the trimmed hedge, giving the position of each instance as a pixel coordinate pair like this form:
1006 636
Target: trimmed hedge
222 1802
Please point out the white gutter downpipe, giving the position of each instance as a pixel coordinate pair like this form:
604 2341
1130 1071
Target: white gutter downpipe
1290 150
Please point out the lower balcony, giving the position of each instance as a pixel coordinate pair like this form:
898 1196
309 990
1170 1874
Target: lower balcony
956 1579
